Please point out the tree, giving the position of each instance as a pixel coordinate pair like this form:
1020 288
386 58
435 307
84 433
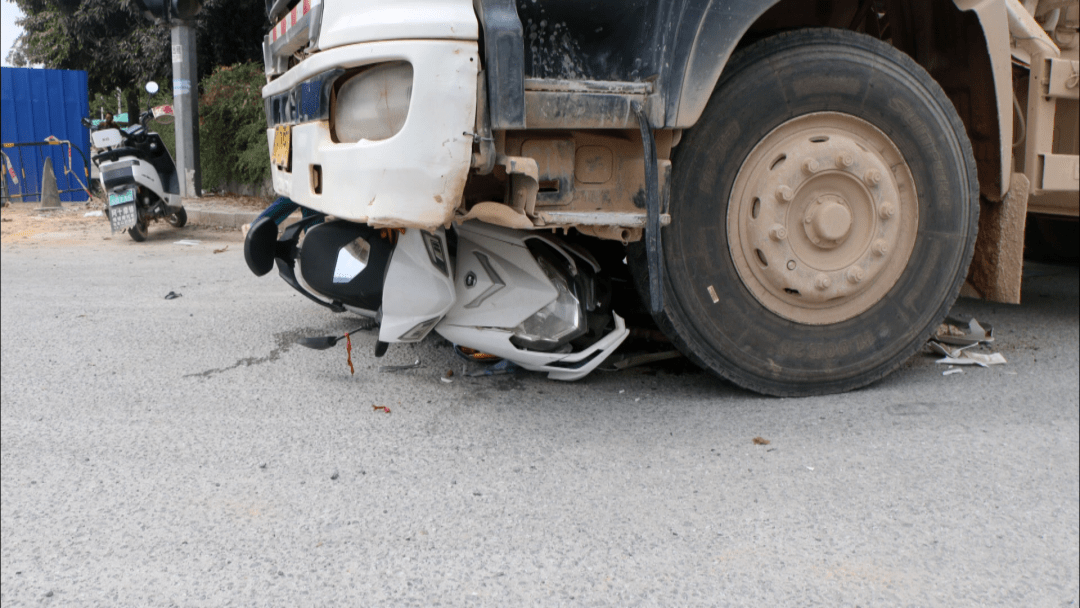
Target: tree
119 48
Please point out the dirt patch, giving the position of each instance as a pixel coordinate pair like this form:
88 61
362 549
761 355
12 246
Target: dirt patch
232 202
22 226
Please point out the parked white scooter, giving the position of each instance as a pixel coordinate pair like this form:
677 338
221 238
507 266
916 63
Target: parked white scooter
138 174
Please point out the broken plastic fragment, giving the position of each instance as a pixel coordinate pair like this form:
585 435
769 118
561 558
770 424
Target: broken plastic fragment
968 358
628 361
398 368
502 367
959 333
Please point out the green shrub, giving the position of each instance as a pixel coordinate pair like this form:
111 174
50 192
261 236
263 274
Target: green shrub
232 129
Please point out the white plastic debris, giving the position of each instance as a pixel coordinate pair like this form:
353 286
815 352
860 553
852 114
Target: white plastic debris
959 333
961 356
188 242
952 371
979 359
97 213
955 337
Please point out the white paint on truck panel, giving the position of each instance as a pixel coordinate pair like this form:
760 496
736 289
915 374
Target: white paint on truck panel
415 178
351 21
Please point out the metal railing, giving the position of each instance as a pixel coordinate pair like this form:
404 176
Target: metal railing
16 186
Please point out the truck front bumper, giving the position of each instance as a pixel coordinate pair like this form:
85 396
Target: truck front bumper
413 179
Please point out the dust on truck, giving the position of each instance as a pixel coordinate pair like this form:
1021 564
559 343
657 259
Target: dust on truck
796 191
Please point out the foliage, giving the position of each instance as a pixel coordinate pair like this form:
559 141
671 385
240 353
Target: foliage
118 47
232 133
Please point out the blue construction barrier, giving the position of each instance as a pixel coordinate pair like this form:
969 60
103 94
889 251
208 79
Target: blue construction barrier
34 105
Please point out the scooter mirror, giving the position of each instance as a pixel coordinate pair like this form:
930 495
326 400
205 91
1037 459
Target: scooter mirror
152 87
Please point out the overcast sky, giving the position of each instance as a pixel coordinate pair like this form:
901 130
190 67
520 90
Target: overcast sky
8 30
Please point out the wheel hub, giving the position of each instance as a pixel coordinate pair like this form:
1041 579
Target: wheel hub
822 219
827 221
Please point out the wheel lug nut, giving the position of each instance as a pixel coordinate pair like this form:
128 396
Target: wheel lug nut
844 160
886 210
880 248
791 264
811 166
872 177
784 194
822 282
855 274
778 232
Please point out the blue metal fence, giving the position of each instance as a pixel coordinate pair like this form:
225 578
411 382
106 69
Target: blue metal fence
36 104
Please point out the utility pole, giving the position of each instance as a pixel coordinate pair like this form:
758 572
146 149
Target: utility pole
180 14
186 108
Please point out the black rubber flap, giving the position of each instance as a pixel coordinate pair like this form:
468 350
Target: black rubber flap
259 246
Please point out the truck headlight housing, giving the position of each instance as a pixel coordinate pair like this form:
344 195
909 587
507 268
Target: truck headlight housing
372 104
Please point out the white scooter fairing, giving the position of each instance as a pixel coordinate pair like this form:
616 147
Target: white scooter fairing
526 297
524 308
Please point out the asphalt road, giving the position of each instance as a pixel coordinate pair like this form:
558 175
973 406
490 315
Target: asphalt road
184 452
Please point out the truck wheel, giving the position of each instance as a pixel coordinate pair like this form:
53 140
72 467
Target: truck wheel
178 219
824 213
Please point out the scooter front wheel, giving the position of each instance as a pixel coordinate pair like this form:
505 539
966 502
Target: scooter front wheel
178 219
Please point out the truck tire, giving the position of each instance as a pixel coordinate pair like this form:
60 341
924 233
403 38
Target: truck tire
824 213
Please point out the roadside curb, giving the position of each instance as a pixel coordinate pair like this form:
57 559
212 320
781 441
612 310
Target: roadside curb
225 219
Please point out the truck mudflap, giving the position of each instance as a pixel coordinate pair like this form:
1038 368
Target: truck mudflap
414 177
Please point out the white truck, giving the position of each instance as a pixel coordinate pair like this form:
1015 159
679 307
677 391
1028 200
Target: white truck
796 191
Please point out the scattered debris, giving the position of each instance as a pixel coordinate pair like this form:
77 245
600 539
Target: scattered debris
962 356
6 219
188 242
398 368
222 250
502 367
951 371
446 380
953 339
958 333
381 408
970 358
334 476
628 361
172 295
471 354
348 355
761 441
97 213
449 373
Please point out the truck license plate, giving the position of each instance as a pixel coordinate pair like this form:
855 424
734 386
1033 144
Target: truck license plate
282 146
